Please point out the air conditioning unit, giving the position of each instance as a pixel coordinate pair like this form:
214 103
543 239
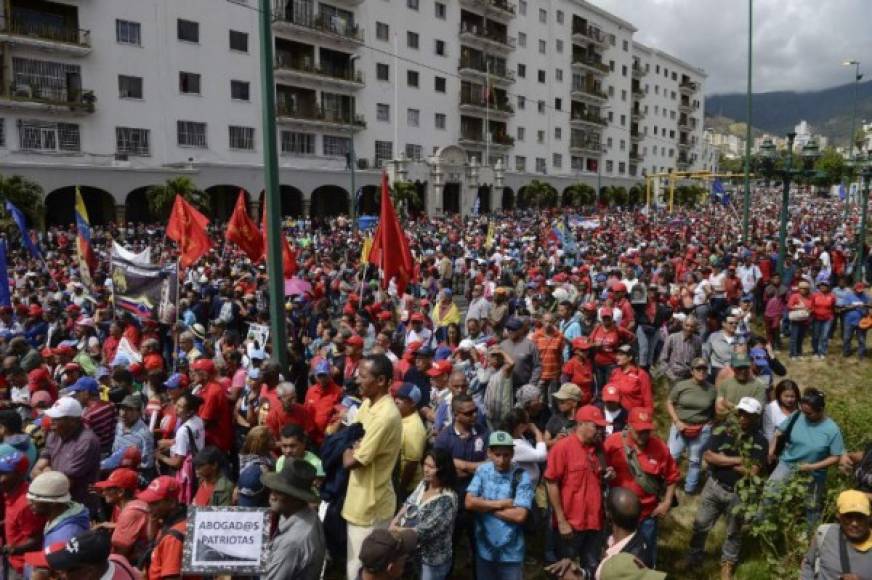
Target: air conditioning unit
363 163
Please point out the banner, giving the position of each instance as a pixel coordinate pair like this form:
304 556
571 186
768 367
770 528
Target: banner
144 290
119 252
259 333
226 540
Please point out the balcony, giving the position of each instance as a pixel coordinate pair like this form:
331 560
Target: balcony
44 36
687 88
496 9
33 97
637 115
584 35
638 94
588 93
636 158
639 72
685 145
470 105
292 69
685 107
587 64
474 140
686 125
682 162
636 136
318 118
319 27
486 38
588 120
590 147
469 70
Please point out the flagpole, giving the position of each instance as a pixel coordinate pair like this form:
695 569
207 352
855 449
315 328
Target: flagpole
486 160
396 99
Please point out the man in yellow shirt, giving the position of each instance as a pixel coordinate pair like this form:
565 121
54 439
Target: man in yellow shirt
370 502
407 398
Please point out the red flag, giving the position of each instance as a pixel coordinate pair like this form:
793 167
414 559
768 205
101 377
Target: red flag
187 227
289 256
242 231
390 248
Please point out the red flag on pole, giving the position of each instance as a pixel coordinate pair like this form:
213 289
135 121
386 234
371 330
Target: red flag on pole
390 248
187 227
289 256
242 231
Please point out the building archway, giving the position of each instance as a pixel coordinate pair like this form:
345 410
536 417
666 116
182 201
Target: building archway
328 201
521 198
222 199
370 202
136 209
291 203
451 198
420 206
60 206
484 199
508 198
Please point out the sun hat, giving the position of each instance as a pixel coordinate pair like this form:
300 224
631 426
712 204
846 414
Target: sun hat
295 479
49 487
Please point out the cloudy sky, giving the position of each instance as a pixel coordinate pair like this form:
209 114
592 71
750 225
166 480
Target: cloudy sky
798 44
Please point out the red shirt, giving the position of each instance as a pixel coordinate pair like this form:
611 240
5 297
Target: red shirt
580 374
627 314
110 347
823 306
607 341
270 395
204 494
797 300
576 470
320 402
217 415
635 387
20 523
298 415
654 460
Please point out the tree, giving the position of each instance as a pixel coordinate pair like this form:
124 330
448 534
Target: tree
539 194
636 195
26 195
161 197
830 166
619 196
579 194
405 197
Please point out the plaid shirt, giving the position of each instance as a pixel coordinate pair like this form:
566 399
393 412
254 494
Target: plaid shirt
550 347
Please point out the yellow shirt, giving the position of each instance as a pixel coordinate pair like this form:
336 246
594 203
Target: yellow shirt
370 497
414 441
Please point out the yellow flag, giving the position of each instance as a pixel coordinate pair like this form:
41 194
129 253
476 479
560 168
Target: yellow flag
491 234
364 251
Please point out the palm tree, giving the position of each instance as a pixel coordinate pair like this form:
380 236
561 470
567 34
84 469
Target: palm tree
619 196
405 197
161 197
26 195
637 195
539 194
579 194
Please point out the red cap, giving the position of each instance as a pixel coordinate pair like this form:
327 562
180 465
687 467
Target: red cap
121 478
354 340
580 343
417 317
606 311
132 457
859 287
611 393
204 364
164 487
560 278
70 367
439 368
136 368
619 287
153 363
383 315
38 375
46 352
73 308
591 414
64 349
413 346
589 306
640 419
35 310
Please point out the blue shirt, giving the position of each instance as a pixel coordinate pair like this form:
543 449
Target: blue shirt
497 540
852 317
812 442
137 436
472 448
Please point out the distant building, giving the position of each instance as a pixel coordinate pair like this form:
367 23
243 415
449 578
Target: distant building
731 146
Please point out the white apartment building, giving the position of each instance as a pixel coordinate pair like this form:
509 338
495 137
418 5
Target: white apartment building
478 97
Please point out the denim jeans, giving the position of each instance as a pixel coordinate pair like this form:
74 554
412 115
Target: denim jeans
439 572
797 337
715 502
820 336
648 530
647 340
817 488
695 447
849 331
497 570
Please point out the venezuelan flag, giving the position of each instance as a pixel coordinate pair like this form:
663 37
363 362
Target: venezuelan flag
84 250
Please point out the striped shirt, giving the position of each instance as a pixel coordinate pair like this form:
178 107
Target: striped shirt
677 354
101 418
550 347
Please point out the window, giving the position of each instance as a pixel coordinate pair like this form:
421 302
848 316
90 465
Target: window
558 133
622 168
543 15
558 104
674 76
540 105
522 7
238 41
558 75
543 46
412 4
189 83
521 133
626 46
441 11
413 117
611 91
2 132
623 94
383 112
612 66
127 32
540 136
188 30
382 71
541 76
414 152
241 138
439 84
558 45
239 90
520 163
384 151
439 47
559 17
382 31
611 117
522 39
129 87
522 70
130 141
334 146
623 145
557 160
623 70
439 120
412 40
623 120
40 136
540 165
522 102
610 166
294 143
412 78
191 134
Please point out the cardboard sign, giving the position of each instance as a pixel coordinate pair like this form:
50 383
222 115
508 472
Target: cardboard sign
258 333
226 540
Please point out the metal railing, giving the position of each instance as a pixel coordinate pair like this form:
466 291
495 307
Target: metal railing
501 107
588 90
66 35
504 74
591 32
327 25
285 62
73 98
586 145
318 114
487 34
587 61
589 118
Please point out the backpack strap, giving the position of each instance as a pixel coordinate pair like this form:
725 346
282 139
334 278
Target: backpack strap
843 553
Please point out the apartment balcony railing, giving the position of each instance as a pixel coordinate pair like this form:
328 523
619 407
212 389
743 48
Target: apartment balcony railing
591 146
591 34
480 70
596 66
637 114
639 72
503 107
687 88
500 8
636 136
638 94
45 36
582 91
685 107
589 118
486 35
323 25
319 115
477 139
636 157
79 100
287 63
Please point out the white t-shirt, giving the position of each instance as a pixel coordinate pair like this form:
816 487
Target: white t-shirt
772 417
198 430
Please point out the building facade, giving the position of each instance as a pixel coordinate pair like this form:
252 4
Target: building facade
114 96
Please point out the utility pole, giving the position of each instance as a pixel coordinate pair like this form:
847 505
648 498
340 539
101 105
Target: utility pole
857 78
785 201
746 204
352 158
272 196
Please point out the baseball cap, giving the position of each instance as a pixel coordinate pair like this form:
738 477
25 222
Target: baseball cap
590 414
15 462
90 547
381 547
417 317
698 363
322 368
625 349
740 360
176 381
750 405
859 287
85 385
439 368
251 488
131 457
121 478
131 402
514 324
411 392
568 391
640 419
65 407
852 501
606 312
164 487
466 344
580 343
500 439
354 340
204 364
611 393
759 357
625 566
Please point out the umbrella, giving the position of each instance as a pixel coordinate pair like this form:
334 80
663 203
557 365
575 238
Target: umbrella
296 287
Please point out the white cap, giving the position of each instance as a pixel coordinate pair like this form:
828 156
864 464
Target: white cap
466 344
65 407
750 405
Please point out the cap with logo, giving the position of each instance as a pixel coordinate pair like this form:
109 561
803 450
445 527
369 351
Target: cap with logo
322 368
439 368
163 487
15 462
88 548
640 419
120 478
611 394
590 414
500 439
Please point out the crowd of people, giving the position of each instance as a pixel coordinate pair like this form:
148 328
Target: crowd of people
550 386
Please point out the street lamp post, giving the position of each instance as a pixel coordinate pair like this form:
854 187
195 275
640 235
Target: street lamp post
746 202
857 78
352 158
864 164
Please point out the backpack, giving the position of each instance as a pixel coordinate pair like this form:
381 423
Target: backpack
186 476
819 537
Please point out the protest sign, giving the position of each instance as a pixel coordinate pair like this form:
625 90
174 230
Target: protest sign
226 540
